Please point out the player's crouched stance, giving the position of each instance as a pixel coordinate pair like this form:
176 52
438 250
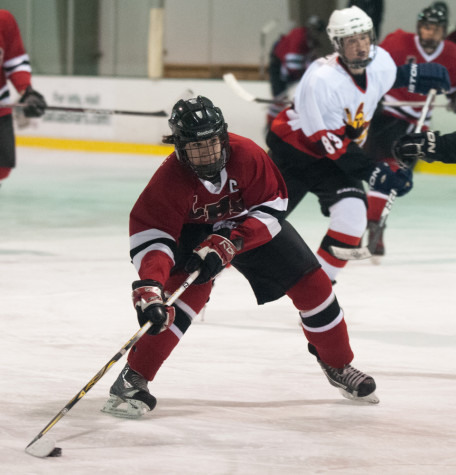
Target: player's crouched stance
219 199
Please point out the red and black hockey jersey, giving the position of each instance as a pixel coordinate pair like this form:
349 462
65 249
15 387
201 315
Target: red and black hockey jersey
14 61
294 54
251 199
405 48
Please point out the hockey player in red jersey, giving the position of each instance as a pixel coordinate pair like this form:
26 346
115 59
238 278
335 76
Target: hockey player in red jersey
290 56
219 199
14 66
317 142
389 123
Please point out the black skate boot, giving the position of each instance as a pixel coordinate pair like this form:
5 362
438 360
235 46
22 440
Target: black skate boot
352 383
130 388
379 249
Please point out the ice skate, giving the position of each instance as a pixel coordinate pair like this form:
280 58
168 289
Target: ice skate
352 383
129 396
379 250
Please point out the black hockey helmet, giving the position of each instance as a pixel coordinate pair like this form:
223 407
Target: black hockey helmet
435 14
197 121
441 6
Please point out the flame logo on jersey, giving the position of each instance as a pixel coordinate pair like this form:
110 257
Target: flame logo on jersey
356 127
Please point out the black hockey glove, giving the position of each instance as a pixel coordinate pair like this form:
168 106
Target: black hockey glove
422 77
147 298
409 148
383 180
35 105
211 256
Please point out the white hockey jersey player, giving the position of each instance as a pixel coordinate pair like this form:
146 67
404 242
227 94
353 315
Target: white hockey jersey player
317 142
331 108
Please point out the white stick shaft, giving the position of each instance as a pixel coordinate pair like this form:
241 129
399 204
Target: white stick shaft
429 99
409 104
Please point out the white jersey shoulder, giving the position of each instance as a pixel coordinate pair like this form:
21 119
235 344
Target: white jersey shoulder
327 98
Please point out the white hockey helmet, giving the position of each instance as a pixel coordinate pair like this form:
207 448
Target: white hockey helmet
348 22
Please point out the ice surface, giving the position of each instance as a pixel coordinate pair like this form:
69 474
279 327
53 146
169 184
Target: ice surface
240 394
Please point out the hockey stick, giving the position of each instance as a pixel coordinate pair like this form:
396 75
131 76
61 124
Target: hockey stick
368 251
83 110
45 447
409 103
235 85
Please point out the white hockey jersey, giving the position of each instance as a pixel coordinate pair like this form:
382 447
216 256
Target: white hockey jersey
330 109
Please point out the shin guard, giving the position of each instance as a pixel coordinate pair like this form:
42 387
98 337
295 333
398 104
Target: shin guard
322 318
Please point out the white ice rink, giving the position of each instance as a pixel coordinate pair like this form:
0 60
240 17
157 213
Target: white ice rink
240 394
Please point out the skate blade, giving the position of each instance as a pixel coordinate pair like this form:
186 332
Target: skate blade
129 409
370 398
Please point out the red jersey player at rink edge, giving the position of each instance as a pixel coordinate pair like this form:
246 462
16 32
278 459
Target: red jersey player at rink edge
219 199
317 143
15 66
389 123
290 56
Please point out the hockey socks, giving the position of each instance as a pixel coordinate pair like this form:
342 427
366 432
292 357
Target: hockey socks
322 318
331 264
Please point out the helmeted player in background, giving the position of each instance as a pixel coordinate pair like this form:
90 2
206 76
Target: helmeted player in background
317 142
219 199
290 56
425 46
444 6
14 66
452 37
429 146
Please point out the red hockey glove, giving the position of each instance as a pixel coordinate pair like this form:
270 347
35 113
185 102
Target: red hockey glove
211 256
147 298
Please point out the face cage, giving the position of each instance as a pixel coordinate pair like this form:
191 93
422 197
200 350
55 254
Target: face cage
360 64
430 43
216 162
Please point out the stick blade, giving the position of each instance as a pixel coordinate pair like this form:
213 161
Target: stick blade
232 82
41 448
350 254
